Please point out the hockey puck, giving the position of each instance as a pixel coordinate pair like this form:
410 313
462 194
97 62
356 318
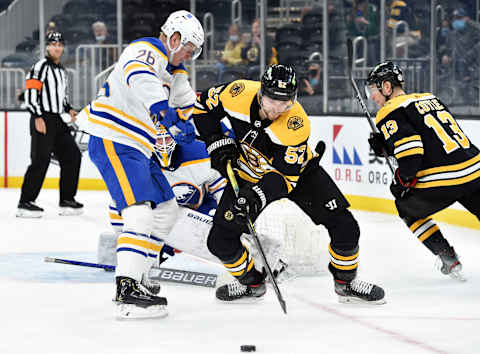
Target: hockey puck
248 348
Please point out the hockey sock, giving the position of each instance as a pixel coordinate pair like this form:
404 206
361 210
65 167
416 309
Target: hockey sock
240 264
343 263
427 232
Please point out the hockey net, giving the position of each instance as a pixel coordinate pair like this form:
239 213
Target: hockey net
304 244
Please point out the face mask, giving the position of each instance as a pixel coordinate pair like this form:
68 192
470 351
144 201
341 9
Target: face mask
312 72
234 38
313 82
100 38
458 25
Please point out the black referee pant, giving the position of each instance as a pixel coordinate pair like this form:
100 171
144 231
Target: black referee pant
59 141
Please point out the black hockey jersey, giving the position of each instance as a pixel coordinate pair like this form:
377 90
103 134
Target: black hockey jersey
427 141
278 146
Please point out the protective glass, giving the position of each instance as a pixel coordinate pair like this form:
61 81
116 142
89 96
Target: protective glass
193 50
370 90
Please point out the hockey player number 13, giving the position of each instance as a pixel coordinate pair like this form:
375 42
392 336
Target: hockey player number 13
450 143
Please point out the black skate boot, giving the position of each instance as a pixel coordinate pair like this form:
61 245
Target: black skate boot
134 300
449 264
359 291
249 289
70 207
29 210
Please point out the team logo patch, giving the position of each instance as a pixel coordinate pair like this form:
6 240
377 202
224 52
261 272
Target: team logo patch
237 88
295 122
228 215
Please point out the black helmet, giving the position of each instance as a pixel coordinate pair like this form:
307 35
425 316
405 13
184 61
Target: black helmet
279 83
55 37
386 71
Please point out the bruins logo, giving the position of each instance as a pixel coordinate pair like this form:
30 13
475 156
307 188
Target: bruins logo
295 122
228 215
237 88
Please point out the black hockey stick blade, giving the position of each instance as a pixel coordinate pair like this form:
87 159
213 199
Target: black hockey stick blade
253 233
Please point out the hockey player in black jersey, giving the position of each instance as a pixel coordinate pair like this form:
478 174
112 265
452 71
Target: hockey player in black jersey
437 163
272 160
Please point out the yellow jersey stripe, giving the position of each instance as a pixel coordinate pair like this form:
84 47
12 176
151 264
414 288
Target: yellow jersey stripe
428 233
406 140
238 262
115 216
136 65
123 240
111 126
125 115
119 171
409 152
448 168
342 258
180 71
194 162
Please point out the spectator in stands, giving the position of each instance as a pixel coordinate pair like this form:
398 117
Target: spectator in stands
100 33
461 39
251 52
312 83
404 11
364 21
232 53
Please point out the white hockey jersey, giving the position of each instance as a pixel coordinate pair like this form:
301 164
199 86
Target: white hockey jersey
195 184
121 111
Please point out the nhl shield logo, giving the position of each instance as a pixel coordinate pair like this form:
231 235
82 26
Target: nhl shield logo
237 88
295 122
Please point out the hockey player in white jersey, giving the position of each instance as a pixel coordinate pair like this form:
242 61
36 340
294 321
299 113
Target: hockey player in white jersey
123 127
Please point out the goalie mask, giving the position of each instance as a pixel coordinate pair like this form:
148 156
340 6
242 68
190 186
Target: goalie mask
189 28
165 146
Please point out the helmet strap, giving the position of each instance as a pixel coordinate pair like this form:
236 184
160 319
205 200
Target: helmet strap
380 88
173 51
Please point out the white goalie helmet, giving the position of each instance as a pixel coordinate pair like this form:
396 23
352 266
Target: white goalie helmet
165 146
189 28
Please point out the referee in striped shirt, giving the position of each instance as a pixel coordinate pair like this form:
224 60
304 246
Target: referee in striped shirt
46 99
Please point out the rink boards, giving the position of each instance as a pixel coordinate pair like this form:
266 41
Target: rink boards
348 159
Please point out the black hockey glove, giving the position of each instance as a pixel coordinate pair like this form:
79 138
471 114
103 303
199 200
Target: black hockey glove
400 188
221 149
250 202
377 143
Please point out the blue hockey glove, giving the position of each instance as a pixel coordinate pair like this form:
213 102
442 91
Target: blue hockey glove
171 116
186 134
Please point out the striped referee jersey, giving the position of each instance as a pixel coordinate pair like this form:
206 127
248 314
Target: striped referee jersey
46 88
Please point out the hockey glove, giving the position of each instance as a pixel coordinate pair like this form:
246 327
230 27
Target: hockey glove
378 144
250 202
167 120
186 134
166 250
221 149
400 187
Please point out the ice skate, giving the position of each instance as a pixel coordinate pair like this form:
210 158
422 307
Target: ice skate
248 290
448 263
70 207
29 210
133 300
359 292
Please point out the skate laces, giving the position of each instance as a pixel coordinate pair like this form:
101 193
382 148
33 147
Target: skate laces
236 289
361 287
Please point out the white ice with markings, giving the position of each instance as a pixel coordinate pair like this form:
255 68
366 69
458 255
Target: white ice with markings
54 308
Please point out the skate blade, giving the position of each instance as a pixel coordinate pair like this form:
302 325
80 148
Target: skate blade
28 214
130 311
355 300
70 212
457 275
242 301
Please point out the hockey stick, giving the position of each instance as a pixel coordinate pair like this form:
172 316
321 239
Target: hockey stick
360 99
236 189
160 274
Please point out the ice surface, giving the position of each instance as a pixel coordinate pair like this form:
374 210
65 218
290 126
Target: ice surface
53 308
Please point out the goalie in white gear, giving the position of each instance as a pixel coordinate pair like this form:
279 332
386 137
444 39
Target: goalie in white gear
122 123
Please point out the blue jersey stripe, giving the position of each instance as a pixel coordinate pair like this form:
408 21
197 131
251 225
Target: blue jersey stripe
123 123
139 72
128 249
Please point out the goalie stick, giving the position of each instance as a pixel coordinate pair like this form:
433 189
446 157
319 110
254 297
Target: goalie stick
360 99
233 182
160 274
